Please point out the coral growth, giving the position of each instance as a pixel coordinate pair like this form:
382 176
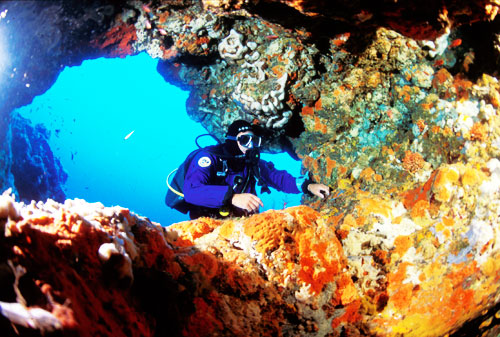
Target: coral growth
289 272
231 47
412 162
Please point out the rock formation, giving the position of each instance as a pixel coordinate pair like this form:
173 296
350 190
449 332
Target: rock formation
87 270
38 175
393 104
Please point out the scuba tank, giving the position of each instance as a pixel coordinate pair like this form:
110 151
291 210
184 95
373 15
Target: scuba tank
175 194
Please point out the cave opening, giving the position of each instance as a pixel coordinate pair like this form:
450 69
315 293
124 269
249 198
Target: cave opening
118 129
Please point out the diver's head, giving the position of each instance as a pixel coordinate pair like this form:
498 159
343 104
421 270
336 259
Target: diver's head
241 137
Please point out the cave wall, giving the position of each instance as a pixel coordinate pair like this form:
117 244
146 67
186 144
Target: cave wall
40 38
37 173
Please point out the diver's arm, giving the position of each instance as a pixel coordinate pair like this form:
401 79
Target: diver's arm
285 182
278 179
312 188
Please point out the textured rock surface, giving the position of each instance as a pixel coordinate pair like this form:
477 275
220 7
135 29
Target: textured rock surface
38 175
277 273
395 105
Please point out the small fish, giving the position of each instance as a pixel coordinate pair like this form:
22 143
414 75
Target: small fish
272 37
128 136
162 31
146 8
455 43
148 24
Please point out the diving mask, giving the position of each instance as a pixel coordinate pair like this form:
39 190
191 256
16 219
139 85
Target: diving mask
248 140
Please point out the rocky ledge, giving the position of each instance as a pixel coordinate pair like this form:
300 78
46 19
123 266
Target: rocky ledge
88 270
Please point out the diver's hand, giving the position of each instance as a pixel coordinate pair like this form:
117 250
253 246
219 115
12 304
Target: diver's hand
247 201
319 190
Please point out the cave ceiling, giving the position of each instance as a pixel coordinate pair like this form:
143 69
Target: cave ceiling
288 66
40 38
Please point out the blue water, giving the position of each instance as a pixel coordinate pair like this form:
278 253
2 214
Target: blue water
90 111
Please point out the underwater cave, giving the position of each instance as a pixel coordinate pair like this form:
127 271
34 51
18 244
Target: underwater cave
112 131
395 106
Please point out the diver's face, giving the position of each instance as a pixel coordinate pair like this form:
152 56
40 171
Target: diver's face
245 141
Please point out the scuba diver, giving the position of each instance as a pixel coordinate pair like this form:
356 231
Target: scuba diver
221 180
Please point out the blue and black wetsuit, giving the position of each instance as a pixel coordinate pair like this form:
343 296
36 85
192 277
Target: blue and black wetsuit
209 188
